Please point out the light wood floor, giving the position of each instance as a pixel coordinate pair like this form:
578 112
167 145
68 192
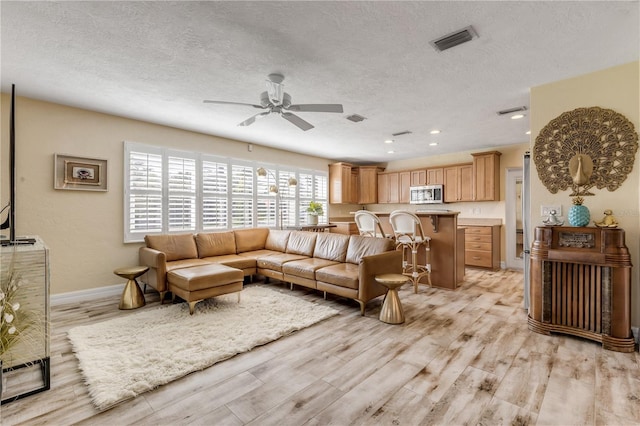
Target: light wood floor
462 357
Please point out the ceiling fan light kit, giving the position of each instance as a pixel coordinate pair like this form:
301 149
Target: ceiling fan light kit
276 100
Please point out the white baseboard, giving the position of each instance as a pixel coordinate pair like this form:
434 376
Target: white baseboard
86 295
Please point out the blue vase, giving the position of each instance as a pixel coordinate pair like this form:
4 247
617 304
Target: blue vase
578 214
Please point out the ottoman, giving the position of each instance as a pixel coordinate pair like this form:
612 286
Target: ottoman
202 282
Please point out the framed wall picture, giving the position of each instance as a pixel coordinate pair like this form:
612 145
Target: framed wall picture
79 173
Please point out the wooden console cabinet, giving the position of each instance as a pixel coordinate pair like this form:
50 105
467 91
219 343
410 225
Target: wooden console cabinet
581 285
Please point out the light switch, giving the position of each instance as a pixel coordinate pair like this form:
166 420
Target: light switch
546 210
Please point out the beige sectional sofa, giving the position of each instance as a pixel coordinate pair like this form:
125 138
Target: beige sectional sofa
333 263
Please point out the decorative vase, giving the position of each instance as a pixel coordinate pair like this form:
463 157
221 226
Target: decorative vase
312 219
579 214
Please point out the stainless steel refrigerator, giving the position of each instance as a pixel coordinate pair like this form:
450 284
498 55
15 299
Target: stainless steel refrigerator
526 223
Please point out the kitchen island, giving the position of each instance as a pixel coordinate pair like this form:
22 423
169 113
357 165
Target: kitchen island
447 245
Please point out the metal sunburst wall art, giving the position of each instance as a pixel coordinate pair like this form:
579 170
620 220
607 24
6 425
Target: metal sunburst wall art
584 148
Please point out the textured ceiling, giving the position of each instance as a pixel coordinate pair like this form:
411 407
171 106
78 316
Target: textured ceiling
157 61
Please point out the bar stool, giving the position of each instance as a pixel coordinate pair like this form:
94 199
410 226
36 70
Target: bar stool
410 235
369 224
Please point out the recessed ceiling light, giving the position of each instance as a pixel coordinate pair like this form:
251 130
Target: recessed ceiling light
389 141
433 144
435 132
390 152
517 116
528 132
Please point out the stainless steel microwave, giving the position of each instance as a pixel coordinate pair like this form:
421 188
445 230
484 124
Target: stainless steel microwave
426 194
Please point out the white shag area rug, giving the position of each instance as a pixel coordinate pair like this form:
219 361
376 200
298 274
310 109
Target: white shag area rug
126 356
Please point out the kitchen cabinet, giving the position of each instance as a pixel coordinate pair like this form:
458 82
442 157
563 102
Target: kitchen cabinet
458 183
482 246
340 184
387 188
367 186
435 176
418 177
345 228
404 183
486 176
393 187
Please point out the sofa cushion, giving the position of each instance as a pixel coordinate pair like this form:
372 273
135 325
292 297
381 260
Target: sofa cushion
360 247
250 239
174 246
331 246
301 242
215 244
258 253
185 263
233 261
277 240
306 268
275 261
340 274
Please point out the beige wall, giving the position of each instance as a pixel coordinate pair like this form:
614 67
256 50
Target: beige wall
614 88
84 230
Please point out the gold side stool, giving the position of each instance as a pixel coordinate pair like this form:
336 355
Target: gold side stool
132 296
391 311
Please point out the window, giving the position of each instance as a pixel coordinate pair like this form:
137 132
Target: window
143 211
177 191
312 187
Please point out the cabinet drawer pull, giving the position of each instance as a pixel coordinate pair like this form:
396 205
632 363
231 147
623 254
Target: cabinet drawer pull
476 258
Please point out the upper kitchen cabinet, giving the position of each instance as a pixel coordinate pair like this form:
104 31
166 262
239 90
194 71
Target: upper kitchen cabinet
368 184
435 176
342 184
486 176
418 177
458 183
393 187
404 181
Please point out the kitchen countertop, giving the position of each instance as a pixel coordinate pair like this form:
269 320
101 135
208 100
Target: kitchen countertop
422 212
467 221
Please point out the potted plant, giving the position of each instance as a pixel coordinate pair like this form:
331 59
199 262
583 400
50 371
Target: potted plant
313 211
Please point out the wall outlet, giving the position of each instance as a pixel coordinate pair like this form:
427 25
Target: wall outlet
476 210
634 330
546 210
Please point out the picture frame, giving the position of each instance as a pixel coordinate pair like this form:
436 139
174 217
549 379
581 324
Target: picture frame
80 173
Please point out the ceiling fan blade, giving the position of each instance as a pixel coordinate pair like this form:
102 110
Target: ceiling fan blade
292 118
206 101
252 120
316 108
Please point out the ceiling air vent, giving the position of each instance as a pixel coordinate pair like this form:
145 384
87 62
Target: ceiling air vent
405 132
355 118
453 39
512 110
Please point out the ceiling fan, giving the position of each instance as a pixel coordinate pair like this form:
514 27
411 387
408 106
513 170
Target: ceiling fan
276 100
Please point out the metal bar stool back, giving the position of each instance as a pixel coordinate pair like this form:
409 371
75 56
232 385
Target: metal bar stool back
409 235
